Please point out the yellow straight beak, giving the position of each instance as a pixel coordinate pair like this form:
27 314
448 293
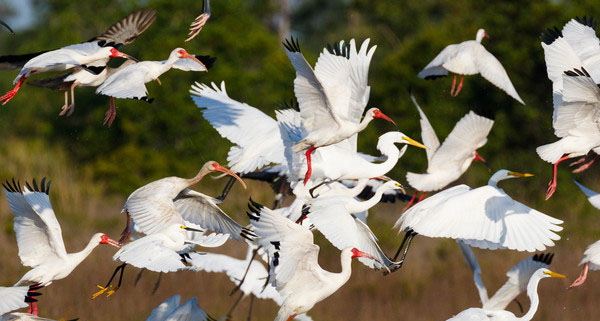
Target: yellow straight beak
414 142
517 174
555 275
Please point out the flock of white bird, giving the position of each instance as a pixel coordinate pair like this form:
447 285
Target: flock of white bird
309 151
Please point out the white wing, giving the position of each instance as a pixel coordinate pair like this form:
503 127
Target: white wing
359 74
150 253
188 311
427 133
333 71
484 217
518 278
474 266
592 255
200 209
164 309
38 233
582 38
12 298
315 108
492 70
292 131
152 214
435 69
188 65
331 218
578 114
128 82
256 135
593 197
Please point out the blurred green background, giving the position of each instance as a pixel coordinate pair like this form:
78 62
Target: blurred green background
95 167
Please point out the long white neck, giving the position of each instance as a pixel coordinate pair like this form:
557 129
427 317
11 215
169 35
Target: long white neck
355 206
346 260
359 187
78 257
364 123
533 297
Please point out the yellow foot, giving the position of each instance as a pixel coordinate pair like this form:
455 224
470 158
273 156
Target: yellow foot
102 290
111 292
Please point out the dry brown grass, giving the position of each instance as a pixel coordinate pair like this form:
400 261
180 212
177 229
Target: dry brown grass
433 285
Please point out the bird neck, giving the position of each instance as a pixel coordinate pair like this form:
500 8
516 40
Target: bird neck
360 186
78 257
355 206
497 177
346 260
533 298
364 123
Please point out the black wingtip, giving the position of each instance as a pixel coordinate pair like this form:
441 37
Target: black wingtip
545 258
291 45
343 51
590 22
207 61
550 35
577 73
292 104
433 77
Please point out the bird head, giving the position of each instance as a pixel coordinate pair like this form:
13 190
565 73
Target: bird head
358 253
545 273
376 113
114 53
212 166
183 54
107 240
481 34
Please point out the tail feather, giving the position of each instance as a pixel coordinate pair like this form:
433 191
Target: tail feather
550 152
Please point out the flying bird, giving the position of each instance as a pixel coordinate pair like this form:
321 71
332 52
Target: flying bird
13 297
171 310
129 82
39 236
200 21
469 58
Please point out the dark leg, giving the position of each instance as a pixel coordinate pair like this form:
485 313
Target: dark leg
308 164
408 236
105 288
157 283
138 277
251 304
254 252
227 188
235 304
519 304
552 184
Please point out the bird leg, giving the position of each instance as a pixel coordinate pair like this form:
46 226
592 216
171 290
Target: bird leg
158 81
227 188
410 203
254 252
235 304
409 234
157 283
584 166
552 184
292 317
11 93
29 298
308 164
111 113
420 197
68 109
108 284
519 304
581 277
63 109
250 309
460 84
138 277
453 85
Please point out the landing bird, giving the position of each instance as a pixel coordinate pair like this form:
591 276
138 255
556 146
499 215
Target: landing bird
333 96
473 314
335 217
591 256
162 210
200 21
129 82
294 266
447 162
121 33
485 217
78 55
171 310
40 238
251 273
575 122
470 58
518 277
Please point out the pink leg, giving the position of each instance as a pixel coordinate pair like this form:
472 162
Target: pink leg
291 317
308 163
30 310
581 277
460 84
552 183
111 113
35 309
9 95
584 166
420 197
453 85
412 200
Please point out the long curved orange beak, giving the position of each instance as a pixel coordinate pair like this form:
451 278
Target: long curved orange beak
116 53
357 253
188 56
379 114
113 243
220 168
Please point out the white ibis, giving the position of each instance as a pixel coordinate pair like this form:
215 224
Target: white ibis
162 210
40 238
333 96
575 122
171 310
129 82
12 298
121 33
518 277
333 217
591 256
448 161
78 55
469 58
485 217
485 314
200 21
294 266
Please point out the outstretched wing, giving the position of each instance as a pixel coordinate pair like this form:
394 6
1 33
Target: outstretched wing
150 253
474 266
12 298
435 68
428 135
492 70
126 30
256 135
128 82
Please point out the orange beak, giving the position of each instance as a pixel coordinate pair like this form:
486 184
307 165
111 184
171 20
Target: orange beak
220 168
478 158
188 56
379 114
485 35
357 253
113 243
119 54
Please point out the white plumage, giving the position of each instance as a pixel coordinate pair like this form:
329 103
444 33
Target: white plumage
12 298
469 58
591 256
170 310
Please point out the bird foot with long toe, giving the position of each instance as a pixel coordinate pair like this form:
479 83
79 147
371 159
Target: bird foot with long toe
8 96
111 292
582 277
551 189
110 116
102 290
584 166
67 110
